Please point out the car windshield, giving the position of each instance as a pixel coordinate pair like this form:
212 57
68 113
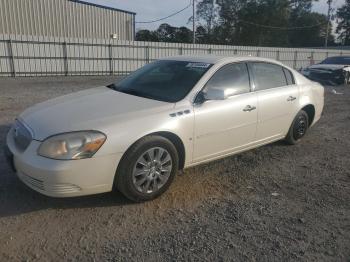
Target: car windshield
163 80
340 60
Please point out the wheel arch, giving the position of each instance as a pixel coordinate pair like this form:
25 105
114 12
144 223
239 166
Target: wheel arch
177 142
310 111
173 138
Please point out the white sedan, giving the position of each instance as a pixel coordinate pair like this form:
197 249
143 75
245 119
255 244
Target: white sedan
134 135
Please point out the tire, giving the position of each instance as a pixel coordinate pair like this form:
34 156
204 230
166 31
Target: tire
347 78
298 128
145 171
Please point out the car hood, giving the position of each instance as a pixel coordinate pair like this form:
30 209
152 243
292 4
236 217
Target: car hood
326 67
91 109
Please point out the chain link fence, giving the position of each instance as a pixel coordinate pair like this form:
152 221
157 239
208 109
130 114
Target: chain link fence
47 56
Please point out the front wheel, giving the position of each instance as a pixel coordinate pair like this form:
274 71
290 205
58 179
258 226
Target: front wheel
298 128
147 169
347 77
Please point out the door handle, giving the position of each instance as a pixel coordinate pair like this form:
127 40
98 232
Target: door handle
291 98
249 108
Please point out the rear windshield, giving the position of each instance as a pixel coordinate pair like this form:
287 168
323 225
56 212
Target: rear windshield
164 80
343 60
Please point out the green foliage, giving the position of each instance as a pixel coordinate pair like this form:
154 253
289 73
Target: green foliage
207 12
263 23
310 37
166 33
343 28
289 23
272 13
146 35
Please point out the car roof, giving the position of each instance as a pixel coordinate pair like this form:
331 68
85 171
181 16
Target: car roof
339 56
214 59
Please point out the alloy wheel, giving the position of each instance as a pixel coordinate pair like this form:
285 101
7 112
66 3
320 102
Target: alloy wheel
152 170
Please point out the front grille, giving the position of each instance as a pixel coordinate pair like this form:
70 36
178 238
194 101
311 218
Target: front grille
326 75
21 135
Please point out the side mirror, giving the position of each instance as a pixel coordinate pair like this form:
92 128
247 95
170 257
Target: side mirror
214 94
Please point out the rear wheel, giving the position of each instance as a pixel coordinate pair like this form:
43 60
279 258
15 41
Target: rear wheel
147 169
298 128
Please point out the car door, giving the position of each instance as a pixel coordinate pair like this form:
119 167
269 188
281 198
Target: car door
223 126
277 99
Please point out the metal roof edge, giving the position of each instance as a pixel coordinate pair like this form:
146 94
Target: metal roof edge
102 6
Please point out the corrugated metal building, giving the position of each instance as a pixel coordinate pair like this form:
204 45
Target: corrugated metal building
65 18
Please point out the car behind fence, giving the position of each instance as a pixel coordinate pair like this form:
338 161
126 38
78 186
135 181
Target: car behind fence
47 56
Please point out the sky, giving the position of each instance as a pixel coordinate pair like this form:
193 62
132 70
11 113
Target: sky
147 10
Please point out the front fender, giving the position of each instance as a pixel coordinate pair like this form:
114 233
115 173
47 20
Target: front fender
121 136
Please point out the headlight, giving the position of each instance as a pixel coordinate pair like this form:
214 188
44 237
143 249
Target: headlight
74 145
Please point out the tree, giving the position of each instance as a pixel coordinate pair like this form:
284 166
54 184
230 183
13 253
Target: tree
267 23
256 23
207 12
242 20
300 7
343 28
309 37
146 35
228 20
183 35
166 33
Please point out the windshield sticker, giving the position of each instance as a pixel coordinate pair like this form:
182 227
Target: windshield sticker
198 65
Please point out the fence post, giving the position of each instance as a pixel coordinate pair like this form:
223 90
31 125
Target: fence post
110 54
278 55
312 61
295 59
147 54
65 58
12 58
180 50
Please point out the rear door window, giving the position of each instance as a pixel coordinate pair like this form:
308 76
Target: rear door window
289 76
267 75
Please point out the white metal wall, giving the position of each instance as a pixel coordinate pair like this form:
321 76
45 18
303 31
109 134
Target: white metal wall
64 18
42 56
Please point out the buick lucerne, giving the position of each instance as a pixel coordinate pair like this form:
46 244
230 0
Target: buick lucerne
134 135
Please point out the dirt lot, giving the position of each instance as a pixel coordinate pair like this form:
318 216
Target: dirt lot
222 211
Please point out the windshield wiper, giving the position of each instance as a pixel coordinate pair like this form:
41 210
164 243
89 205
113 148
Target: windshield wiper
136 93
128 91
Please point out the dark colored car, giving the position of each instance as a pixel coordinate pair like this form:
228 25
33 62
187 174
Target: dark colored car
331 71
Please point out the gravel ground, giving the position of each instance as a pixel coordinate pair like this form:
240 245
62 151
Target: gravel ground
274 203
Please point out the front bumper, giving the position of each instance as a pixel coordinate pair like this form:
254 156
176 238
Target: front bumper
62 178
335 77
